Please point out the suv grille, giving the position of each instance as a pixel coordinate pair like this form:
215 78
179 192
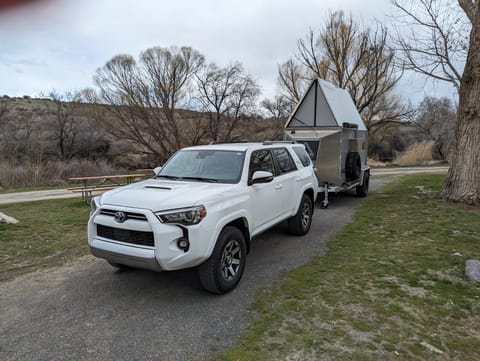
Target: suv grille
125 235
130 215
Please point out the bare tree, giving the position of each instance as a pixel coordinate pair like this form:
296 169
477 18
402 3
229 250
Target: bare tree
226 94
450 39
27 144
433 37
243 104
278 108
62 125
293 80
354 58
436 119
144 96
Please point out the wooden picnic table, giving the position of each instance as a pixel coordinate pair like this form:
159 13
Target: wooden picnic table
103 183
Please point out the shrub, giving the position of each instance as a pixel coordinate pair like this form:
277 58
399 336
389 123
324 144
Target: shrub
416 154
31 174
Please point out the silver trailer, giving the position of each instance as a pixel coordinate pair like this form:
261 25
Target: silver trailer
328 123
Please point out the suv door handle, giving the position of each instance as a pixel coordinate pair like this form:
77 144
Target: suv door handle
299 179
280 186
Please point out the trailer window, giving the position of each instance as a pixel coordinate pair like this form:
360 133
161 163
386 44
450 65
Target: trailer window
284 160
302 155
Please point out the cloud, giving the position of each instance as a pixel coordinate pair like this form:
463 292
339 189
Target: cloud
31 62
60 43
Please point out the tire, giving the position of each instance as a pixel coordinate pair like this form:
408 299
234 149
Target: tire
300 223
362 189
353 166
223 270
119 266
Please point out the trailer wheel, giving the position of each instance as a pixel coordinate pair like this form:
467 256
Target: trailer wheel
300 223
353 166
362 189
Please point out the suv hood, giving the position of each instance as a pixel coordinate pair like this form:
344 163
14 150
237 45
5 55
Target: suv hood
159 194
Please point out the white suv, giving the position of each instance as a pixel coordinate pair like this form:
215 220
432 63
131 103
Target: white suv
203 207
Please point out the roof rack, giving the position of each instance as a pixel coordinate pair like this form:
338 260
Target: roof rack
265 142
270 142
237 142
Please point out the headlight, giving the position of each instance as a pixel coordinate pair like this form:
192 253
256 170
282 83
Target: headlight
185 216
94 204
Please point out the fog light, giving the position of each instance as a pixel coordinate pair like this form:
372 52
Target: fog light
183 244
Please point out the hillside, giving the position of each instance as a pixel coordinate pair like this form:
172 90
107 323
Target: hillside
63 139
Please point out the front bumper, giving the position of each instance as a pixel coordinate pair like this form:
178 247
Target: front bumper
126 255
163 254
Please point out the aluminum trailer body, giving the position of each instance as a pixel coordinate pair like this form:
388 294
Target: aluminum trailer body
328 123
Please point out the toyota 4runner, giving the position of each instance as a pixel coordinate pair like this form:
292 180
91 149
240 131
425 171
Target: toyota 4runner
203 207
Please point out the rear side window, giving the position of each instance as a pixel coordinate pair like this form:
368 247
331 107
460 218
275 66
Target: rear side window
311 148
302 155
284 160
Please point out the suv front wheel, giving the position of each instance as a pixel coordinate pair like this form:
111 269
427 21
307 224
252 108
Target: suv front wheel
223 270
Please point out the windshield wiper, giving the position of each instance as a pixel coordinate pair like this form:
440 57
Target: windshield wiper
201 179
166 176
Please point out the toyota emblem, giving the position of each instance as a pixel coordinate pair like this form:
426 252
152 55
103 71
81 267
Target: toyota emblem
120 217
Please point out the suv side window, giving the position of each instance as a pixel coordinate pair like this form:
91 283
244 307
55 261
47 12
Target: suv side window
302 155
284 160
261 160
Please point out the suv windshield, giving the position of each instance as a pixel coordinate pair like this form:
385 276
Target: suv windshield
204 165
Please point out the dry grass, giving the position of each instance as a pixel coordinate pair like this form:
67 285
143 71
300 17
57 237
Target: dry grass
416 154
375 163
50 173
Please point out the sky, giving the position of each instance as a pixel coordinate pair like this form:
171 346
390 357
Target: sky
58 44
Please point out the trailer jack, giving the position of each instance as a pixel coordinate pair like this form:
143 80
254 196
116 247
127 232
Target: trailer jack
324 204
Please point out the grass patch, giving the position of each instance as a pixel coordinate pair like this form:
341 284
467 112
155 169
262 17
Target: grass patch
390 287
49 234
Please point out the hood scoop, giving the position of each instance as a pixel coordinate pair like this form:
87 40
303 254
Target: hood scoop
159 187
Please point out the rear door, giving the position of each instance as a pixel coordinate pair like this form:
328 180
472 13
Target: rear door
287 178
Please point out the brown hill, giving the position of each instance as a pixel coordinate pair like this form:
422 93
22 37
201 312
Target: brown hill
43 131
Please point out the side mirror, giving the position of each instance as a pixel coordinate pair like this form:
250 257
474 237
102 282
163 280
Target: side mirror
157 170
261 176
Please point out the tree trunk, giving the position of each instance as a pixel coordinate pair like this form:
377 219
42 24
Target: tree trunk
463 181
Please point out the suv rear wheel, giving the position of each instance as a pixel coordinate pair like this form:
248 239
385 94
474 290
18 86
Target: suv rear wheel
300 223
223 270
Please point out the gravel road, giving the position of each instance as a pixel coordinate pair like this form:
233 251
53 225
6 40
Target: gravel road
408 170
88 311
19 197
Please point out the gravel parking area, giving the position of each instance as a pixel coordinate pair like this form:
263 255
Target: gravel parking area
88 311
